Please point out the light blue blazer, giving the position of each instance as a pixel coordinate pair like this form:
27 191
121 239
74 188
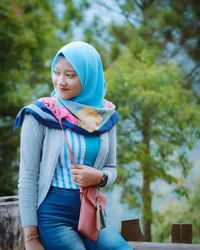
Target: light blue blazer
40 148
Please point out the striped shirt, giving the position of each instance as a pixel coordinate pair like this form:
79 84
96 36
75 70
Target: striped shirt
85 150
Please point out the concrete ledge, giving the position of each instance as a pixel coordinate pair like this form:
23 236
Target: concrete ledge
11 237
163 246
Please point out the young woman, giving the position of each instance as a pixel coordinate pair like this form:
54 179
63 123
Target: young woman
49 184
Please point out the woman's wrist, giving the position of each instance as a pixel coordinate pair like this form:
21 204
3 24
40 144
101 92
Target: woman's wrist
104 180
31 238
30 233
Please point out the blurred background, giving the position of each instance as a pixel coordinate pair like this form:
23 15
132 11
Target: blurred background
151 55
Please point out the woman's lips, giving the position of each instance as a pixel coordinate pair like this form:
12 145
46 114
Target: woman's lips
62 89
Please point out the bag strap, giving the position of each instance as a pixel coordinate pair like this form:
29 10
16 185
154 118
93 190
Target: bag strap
71 154
66 139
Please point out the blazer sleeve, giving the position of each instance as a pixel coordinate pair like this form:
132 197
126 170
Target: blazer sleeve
31 141
110 167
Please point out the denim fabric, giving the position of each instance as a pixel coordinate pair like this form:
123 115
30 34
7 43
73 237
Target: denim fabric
58 220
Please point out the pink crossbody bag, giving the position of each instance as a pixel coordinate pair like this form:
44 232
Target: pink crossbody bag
93 203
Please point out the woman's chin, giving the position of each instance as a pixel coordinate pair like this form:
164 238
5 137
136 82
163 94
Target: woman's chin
63 96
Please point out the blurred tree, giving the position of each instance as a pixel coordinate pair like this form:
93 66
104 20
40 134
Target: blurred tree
77 21
27 38
73 16
174 211
30 35
170 27
159 125
167 30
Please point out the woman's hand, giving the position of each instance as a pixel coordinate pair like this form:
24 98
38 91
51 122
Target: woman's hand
86 176
31 238
33 245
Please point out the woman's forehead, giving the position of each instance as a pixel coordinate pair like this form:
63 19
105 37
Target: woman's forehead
63 63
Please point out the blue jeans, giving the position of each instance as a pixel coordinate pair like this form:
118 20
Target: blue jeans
58 218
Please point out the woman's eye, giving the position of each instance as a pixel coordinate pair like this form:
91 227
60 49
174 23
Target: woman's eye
71 75
56 72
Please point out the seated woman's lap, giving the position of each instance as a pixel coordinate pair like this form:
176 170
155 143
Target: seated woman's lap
67 238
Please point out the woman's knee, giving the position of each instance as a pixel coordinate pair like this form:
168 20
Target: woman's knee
61 239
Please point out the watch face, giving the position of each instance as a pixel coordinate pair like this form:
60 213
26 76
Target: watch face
104 180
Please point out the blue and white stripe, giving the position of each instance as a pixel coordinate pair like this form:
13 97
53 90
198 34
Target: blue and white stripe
62 176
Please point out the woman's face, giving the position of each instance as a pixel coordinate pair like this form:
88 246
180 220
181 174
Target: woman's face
65 80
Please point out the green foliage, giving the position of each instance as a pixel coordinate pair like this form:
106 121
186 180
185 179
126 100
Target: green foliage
73 15
169 27
26 30
26 42
159 118
159 125
173 211
31 32
8 152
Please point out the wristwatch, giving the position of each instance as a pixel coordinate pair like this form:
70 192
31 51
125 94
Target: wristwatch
104 180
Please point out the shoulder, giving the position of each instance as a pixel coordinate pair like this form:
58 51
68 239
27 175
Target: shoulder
31 124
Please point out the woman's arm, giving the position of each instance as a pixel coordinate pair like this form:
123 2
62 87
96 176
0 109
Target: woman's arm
32 134
31 238
110 167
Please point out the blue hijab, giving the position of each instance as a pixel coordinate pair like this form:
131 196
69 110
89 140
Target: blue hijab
88 113
86 61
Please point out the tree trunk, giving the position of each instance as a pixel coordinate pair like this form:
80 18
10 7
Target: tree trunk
146 169
147 199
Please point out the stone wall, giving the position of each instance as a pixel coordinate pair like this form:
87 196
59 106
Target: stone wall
11 237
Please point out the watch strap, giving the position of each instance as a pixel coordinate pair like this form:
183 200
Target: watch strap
104 180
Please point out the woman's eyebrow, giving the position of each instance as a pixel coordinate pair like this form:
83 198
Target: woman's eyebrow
67 70
70 70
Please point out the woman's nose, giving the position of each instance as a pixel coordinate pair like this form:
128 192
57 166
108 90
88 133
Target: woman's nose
61 80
